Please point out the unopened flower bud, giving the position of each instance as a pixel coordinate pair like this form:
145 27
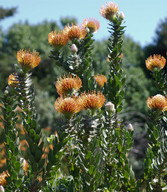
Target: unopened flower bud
74 48
110 107
2 188
130 127
122 16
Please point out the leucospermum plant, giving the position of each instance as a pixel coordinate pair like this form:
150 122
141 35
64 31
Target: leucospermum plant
88 152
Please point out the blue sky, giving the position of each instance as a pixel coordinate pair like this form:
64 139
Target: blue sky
141 16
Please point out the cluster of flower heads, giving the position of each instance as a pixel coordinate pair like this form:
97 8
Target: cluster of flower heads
60 39
27 60
110 12
70 102
157 102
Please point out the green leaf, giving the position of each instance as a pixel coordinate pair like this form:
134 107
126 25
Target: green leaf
91 169
18 183
88 155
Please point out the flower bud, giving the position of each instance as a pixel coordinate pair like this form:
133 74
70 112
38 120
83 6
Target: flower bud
122 16
74 48
110 107
2 188
130 127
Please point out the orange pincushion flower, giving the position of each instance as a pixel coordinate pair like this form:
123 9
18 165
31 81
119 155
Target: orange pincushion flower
28 59
58 39
67 105
3 176
25 165
109 11
155 61
92 100
13 80
68 84
75 32
92 24
100 79
157 102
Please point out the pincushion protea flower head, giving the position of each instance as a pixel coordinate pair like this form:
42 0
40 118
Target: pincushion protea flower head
13 80
3 176
157 102
155 61
58 39
69 84
92 100
75 32
68 106
100 79
28 59
109 11
92 24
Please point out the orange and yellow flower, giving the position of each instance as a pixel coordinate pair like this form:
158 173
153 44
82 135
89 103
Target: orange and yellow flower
28 59
155 61
68 106
92 100
109 11
13 80
25 165
100 79
68 84
92 24
3 176
157 102
58 39
75 32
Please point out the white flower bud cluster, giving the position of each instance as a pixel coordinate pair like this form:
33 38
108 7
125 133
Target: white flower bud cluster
74 48
110 107
2 188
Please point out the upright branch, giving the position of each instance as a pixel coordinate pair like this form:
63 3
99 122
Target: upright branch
156 158
28 60
115 87
11 142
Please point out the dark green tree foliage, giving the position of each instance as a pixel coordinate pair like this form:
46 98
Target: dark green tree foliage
159 45
68 20
4 13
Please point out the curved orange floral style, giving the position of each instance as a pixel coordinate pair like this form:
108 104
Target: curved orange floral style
92 100
28 59
68 105
75 32
101 80
157 102
13 80
92 24
68 84
109 11
155 61
3 176
57 39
